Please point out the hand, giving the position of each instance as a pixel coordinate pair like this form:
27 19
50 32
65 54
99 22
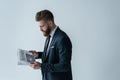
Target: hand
35 54
35 65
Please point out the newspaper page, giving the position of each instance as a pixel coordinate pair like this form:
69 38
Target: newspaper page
24 57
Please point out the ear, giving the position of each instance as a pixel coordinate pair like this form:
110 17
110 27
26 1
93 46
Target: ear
50 22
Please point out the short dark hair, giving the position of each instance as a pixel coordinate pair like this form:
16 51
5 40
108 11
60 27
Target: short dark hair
44 15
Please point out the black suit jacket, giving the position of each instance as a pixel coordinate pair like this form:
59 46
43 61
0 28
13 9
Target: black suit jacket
57 63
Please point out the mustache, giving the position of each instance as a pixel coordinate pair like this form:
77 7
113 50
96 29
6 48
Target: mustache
43 31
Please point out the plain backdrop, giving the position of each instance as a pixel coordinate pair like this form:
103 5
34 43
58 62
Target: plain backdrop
92 25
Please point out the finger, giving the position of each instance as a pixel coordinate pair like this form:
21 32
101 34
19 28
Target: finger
31 64
35 62
31 50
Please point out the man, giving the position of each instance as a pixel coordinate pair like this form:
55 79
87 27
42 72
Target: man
56 57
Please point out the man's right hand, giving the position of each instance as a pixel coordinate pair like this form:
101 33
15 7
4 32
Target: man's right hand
35 54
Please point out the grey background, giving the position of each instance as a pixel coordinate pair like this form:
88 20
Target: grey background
93 26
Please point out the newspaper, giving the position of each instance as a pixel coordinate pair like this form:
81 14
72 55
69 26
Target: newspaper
24 57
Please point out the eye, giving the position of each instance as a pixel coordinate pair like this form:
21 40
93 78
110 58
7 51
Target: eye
42 26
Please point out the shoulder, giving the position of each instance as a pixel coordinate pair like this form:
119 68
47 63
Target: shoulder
62 37
61 34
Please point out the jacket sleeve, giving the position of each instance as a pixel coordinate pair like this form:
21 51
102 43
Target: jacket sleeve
39 55
64 48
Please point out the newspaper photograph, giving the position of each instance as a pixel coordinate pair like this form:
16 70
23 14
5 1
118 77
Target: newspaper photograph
24 57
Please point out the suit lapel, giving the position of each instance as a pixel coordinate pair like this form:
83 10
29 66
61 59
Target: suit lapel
53 39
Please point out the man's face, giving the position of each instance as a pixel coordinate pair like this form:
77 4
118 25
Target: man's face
44 27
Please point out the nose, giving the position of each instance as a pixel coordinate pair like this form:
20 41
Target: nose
41 29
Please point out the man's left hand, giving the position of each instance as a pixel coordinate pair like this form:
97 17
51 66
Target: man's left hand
35 65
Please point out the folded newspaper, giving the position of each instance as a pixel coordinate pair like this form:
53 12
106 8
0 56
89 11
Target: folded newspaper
24 57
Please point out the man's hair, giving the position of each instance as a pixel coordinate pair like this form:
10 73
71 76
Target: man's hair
44 15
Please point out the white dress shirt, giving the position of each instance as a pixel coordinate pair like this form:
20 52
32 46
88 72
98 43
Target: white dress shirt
51 34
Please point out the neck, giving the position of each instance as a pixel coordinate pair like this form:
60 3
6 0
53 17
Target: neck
53 27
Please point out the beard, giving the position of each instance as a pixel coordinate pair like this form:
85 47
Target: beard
47 32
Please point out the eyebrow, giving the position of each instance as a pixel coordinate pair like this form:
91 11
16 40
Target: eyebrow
42 26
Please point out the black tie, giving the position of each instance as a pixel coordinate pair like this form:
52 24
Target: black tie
46 45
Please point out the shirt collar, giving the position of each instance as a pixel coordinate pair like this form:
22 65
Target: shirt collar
53 31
